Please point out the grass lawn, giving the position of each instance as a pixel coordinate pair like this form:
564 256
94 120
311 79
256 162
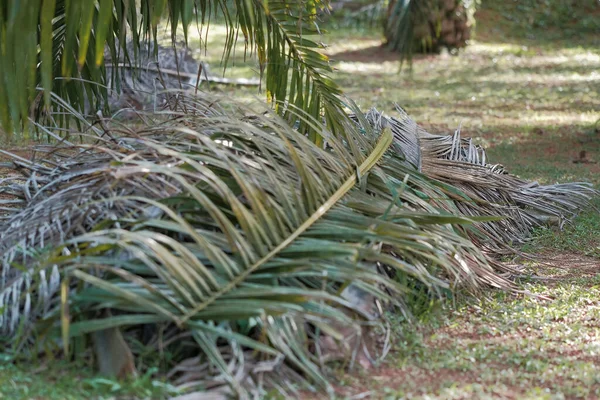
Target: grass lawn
529 89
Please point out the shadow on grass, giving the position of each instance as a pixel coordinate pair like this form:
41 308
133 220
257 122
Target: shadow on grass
372 54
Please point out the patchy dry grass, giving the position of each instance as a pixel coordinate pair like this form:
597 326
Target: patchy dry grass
505 346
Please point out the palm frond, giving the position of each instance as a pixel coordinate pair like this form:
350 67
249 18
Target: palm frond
62 47
489 189
216 219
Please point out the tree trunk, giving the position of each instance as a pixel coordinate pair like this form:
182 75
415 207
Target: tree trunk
433 25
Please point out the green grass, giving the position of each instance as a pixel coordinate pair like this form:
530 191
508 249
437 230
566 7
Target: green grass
505 346
580 237
73 381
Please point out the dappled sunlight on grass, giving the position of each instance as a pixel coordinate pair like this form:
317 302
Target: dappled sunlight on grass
388 68
534 102
513 76
504 346
500 91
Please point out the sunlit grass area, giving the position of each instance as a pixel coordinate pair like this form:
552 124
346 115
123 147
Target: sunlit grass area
487 86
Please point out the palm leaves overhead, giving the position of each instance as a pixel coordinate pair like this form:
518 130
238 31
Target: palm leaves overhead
62 45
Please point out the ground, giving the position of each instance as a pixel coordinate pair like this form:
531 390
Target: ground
505 346
528 88
532 97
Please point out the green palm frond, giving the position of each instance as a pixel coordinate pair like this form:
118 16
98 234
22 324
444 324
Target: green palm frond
60 45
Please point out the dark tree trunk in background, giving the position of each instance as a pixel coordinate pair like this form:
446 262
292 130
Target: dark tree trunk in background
427 26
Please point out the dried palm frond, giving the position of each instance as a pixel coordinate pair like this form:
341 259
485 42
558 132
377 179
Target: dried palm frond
218 217
489 188
148 74
215 220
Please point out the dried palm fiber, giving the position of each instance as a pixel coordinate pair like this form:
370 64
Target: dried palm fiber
78 193
153 76
445 158
489 188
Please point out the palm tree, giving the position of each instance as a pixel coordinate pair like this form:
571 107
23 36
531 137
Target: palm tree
415 26
428 25
238 242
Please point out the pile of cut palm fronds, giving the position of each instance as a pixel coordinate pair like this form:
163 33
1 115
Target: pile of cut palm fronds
244 250
145 76
489 188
